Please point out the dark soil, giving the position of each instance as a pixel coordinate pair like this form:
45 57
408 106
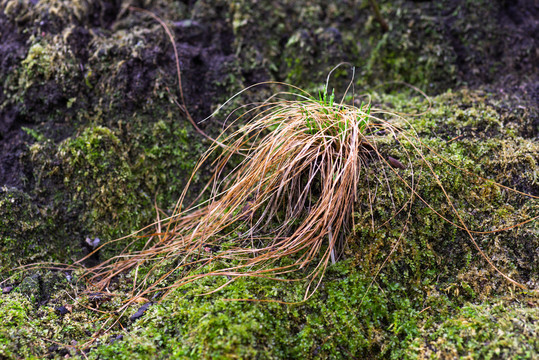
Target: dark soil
503 60
504 56
12 142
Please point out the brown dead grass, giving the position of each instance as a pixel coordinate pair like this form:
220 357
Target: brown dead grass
291 196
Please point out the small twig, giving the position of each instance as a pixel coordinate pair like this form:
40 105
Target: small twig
378 15
330 236
425 309
182 106
455 138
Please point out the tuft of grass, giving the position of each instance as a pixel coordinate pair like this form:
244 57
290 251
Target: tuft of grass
286 207
292 195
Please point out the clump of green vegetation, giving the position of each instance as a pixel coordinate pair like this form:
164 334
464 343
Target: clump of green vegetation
484 331
302 162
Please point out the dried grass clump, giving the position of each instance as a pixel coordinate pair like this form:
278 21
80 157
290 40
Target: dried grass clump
302 164
291 195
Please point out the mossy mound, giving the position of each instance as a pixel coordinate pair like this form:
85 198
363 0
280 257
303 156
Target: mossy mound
91 143
419 304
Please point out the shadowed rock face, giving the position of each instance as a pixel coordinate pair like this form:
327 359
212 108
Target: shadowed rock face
12 51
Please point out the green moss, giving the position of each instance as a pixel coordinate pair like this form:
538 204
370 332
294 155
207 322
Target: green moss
330 324
303 42
14 312
37 84
109 179
47 60
125 149
27 231
99 176
481 205
485 331
424 60
29 331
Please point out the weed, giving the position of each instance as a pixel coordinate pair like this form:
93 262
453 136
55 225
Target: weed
291 196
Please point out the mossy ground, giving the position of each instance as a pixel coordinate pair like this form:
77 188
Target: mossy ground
96 142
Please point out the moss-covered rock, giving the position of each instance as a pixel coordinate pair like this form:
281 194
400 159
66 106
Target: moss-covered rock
365 307
28 232
92 143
